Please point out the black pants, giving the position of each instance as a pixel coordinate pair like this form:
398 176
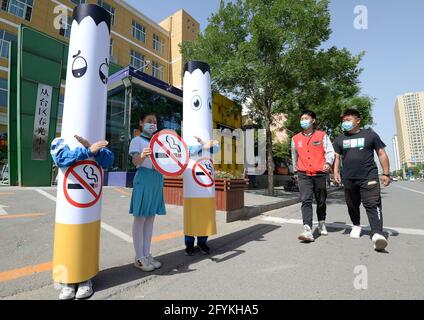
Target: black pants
368 192
310 186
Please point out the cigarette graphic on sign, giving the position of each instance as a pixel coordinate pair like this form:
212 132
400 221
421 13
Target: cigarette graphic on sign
77 223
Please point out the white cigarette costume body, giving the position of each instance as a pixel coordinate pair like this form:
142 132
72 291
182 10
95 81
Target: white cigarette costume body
199 198
77 227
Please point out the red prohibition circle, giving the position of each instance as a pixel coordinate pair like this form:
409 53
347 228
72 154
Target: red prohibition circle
71 170
155 139
193 173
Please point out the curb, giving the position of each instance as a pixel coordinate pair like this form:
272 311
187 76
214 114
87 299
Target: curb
253 211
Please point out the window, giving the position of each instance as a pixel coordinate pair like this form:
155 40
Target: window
66 30
3 92
5 38
138 31
137 60
109 9
157 70
78 1
20 8
157 43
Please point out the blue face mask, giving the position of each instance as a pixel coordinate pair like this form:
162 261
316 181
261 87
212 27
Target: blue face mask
149 128
305 124
347 125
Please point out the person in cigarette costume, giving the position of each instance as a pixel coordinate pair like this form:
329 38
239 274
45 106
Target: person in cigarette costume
199 200
77 227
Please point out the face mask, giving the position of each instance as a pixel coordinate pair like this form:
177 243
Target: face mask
149 128
347 125
305 124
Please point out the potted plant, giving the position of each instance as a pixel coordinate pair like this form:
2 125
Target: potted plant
229 190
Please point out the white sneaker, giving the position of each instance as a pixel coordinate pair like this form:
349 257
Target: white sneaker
67 292
322 230
379 241
85 290
154 262
356 232
144 264
306 235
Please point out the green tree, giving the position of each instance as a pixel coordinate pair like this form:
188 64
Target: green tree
266 55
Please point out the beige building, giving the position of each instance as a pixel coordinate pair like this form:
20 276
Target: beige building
409 114
135 39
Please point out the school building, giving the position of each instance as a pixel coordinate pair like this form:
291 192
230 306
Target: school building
146 50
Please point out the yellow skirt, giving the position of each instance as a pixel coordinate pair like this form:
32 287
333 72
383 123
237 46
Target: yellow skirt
199 217
76 252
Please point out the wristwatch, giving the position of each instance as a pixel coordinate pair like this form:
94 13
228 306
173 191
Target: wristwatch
386 174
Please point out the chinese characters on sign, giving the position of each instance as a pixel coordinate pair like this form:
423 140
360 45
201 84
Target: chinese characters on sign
41 122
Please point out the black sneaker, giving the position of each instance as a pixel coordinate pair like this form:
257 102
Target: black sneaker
204 248
189 250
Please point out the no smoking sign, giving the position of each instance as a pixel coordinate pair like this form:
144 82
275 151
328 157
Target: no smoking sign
82 184
203 172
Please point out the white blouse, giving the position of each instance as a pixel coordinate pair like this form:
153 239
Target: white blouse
136 146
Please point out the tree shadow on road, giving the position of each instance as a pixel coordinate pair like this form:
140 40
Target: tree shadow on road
222 249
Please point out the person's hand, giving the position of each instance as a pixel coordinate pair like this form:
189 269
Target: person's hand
337 178
326 168
96 146
385 180
146 152
83 141
210 144
198 140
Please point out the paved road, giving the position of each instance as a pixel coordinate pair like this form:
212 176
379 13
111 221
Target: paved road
259 258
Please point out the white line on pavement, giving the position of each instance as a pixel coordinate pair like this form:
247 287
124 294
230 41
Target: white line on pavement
409 189
390 230
117 233
3 211
46 194
105 226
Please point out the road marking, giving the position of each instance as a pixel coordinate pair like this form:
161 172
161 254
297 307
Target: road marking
105 226
409 189
117 232
25 271
48 266
168 236
3 211
46 194
389 230
12 216
122 191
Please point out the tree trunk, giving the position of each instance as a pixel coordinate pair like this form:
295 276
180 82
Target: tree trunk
270 162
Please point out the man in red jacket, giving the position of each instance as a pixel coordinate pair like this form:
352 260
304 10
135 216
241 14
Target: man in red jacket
313 156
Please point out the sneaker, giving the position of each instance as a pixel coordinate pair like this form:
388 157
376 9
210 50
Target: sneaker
144 264
306 235
154 262
356 232
204 248
67 292
322 230
379 241
85 290
189 250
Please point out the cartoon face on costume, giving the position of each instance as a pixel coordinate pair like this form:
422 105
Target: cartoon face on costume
197 101
87 72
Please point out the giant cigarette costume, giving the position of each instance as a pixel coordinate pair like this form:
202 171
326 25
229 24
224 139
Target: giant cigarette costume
77 228
199 201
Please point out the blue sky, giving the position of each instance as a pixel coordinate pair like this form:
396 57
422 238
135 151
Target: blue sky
393 42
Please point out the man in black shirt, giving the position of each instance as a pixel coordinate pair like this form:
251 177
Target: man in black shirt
355 149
